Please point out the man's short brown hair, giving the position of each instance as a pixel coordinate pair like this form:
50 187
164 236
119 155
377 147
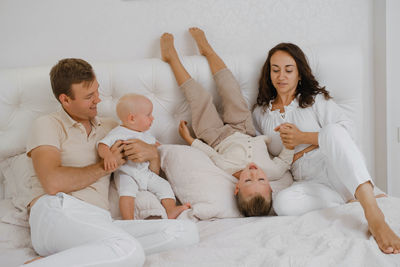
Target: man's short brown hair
67 72
253 206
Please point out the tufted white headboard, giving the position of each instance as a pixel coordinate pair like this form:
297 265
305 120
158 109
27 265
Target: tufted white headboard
25 93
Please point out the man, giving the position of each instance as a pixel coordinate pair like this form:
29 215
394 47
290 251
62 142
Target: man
69 218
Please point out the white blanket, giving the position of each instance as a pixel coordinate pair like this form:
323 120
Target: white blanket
330 237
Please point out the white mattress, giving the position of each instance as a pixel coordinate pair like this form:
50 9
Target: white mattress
330 237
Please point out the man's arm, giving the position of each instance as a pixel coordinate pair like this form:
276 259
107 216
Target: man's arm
57 178
139 151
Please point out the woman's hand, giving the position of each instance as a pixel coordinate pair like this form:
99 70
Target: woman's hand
184 132
291 135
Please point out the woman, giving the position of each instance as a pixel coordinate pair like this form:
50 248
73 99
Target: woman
296 111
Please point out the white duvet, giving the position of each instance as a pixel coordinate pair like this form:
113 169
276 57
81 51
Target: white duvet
330 237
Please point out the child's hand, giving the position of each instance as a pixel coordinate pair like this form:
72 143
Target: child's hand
110 164
184 132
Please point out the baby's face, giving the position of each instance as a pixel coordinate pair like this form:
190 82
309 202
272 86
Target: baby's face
143 119
253 180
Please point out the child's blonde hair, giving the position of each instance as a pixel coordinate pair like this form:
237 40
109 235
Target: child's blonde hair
254 206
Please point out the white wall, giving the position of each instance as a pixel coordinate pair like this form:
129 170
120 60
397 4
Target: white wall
41 32
381 152
393 95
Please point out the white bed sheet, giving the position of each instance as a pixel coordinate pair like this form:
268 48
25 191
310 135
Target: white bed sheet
330 237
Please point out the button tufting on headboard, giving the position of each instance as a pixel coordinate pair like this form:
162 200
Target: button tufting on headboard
26 93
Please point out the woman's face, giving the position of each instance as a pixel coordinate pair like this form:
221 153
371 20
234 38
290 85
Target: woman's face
284 73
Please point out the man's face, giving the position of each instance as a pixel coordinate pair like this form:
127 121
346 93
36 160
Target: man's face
83 106
252 181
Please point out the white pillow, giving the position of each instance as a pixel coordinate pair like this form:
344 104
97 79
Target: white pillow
197 180
146 204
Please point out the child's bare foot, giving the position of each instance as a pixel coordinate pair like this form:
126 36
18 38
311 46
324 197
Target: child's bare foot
168 51
204 47
174 212
387 240
34 259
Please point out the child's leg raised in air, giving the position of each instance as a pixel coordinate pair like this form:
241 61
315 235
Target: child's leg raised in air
127 207
172 209
235 109
206 123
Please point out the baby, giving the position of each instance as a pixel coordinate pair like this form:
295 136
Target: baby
229 139
135 113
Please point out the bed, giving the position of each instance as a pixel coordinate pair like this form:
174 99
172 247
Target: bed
330 237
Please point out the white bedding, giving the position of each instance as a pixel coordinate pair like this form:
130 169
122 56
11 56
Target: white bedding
330 237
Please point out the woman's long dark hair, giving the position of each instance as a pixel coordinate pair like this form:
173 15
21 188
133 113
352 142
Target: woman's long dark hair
306 89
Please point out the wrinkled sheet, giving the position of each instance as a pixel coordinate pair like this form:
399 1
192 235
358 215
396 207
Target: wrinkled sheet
330 237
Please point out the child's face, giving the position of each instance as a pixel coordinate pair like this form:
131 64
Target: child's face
143 119
252 181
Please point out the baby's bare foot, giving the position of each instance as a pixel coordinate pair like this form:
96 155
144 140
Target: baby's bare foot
204 47
174 212
387 240
168 51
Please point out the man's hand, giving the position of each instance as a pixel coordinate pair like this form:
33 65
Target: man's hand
139 151
185 133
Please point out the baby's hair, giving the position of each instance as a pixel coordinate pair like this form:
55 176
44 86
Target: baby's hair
253 206
128 103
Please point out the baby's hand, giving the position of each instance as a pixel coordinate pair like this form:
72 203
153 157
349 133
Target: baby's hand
184 132
110 164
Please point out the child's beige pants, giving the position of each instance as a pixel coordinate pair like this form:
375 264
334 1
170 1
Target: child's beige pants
206 122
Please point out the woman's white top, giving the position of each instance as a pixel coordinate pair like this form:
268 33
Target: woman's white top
310 119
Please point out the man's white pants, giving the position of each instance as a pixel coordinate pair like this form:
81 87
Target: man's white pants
325 177
70 232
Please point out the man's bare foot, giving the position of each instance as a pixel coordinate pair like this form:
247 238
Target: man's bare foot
34 259
387 240
174 212
168 51
204 47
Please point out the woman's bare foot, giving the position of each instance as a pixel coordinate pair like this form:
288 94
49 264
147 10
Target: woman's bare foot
387 240
168 51
174 212
198 35
34 259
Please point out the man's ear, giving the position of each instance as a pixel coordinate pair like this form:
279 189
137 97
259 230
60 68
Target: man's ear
64 99
236 189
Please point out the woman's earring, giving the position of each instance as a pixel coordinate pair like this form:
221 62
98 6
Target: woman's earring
299 82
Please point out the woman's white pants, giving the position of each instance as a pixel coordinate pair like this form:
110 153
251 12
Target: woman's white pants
70 232
326 177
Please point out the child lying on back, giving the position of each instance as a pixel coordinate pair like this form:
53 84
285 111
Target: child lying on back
231 141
